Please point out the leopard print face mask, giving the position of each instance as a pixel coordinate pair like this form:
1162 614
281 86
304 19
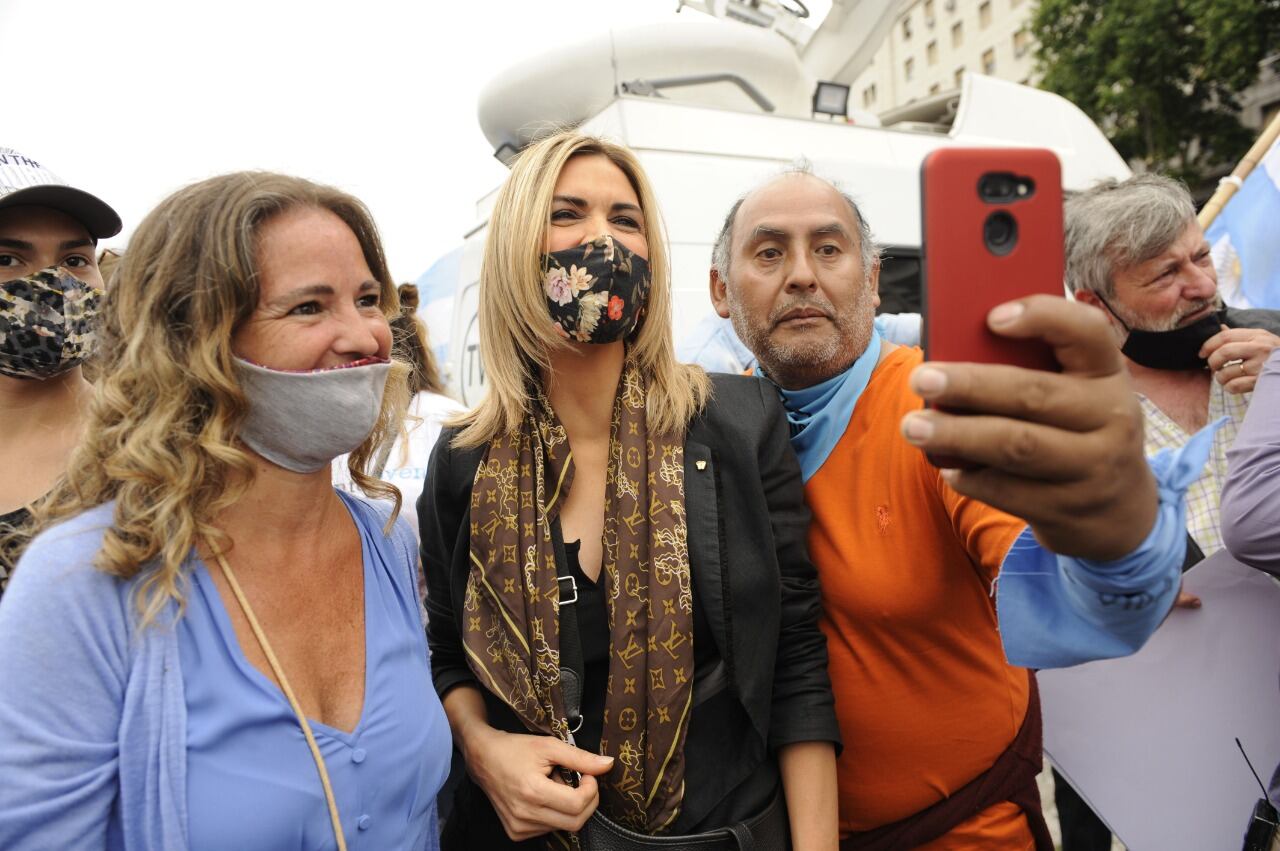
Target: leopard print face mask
48 323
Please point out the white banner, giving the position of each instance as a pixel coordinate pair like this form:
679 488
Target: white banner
1149 740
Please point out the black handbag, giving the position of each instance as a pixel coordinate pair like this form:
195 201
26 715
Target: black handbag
769 830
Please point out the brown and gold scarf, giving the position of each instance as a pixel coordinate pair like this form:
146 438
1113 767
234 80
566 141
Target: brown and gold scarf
512 602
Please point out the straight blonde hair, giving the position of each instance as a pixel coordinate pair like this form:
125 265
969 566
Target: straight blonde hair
161 433
517 336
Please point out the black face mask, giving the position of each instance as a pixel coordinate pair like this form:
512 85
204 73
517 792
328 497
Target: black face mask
1178 349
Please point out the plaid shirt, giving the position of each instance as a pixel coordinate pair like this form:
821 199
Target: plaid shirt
1205 494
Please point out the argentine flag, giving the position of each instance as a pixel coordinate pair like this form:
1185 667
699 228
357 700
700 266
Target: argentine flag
1243 239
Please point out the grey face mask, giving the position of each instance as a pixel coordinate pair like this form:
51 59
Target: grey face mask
303 420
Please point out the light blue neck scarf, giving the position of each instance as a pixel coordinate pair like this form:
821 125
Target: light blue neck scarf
819 415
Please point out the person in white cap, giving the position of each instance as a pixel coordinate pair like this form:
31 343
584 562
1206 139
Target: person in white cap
50 289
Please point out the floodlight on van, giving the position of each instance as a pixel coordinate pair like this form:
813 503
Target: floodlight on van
506 153
831 99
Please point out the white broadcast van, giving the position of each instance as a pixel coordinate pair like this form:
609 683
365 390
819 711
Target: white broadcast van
711 106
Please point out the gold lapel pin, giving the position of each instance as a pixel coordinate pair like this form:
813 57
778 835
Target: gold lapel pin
701 465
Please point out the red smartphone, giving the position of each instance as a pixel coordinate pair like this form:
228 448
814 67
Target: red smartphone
992 227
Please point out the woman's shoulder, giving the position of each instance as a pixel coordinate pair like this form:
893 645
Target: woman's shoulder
57 575
71 637
731 388
69 547
744 399
458 463
741 411
372 515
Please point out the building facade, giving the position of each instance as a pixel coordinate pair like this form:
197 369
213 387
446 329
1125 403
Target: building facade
933 42
1260 103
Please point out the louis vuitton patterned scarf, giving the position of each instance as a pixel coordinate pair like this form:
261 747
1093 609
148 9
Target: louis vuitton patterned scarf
512 600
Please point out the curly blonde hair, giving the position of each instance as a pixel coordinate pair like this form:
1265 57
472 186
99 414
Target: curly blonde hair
516 334
160 438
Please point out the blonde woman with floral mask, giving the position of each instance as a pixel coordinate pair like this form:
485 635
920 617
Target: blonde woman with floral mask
622 613
205 645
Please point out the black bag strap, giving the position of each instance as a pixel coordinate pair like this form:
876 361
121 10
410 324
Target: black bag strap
572 673
572 667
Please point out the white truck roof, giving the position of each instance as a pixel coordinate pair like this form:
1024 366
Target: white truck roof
705 149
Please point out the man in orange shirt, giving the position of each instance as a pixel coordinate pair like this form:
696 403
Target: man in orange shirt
929 652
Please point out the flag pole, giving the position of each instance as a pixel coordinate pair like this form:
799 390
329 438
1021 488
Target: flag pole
1229 185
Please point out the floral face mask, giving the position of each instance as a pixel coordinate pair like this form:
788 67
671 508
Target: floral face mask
596 292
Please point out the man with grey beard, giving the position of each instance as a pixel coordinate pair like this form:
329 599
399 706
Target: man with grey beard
1135 251
1057 544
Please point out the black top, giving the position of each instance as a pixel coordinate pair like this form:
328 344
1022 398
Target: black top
473 825
760 681
593 632
9 552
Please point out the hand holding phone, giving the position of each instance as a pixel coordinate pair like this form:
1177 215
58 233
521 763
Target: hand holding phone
1062 450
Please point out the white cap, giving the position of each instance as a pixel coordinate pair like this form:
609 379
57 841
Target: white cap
24 182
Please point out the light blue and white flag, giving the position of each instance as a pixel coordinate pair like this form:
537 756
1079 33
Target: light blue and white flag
437 289
1246 251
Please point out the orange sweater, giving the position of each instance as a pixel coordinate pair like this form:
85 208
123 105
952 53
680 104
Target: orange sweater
925 698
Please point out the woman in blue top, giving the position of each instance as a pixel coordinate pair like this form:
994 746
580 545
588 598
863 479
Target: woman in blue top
206 646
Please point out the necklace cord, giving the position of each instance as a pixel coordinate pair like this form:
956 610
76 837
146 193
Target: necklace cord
288 693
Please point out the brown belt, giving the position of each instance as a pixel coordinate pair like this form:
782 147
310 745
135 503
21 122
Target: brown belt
1012 777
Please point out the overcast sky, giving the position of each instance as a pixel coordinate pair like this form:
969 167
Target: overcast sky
131 99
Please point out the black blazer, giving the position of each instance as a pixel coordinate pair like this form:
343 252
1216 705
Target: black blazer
747 524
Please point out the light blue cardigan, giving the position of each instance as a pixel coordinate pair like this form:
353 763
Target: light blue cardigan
103 762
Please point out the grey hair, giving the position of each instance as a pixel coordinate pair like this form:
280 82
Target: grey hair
1117 224
867 246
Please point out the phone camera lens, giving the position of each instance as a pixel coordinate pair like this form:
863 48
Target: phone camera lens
1000 233
998 187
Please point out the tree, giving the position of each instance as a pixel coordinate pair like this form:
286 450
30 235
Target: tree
1160 77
